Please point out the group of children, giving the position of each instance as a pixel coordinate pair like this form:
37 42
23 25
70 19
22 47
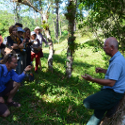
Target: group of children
26 44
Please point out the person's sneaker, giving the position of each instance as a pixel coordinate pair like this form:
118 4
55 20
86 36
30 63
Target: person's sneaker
113 110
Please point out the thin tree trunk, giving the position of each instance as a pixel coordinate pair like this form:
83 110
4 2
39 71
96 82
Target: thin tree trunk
69 63
75 25
70 16
75 1
34 13
54 28
60 27
57 20
16 11
51 48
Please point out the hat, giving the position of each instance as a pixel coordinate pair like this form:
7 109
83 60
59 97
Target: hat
32 33
19 29
37 28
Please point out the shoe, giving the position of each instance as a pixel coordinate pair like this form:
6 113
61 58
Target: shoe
113 110
15 104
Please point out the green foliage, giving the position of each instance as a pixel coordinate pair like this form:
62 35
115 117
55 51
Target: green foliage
105 19
7 19
29 22
63 25
71 9
65 32
46 26
5 22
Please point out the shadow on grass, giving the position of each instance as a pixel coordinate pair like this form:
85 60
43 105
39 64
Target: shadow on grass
52 99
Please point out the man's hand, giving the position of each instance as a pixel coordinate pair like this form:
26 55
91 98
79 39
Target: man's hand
87 77
100 70
28 68
15 46
21 46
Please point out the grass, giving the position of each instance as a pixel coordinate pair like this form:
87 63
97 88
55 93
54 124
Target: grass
54 100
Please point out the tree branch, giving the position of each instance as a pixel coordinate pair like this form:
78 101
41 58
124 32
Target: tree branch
48 8
28 3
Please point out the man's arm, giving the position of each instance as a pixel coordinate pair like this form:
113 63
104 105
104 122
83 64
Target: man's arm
100 70
105 82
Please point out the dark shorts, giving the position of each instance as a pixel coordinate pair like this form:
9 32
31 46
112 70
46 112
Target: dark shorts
3 108
9 87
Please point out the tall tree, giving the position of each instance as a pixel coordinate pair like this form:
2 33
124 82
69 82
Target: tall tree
57 7
57 19
70 16
60 31
16 11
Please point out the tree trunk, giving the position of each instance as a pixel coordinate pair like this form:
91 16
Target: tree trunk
48 35
70 16
54 28
34 13
60 26
119 117
75 25
17 12
69 63
57 20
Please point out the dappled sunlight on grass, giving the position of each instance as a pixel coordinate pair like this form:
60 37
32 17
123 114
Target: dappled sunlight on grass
15 118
